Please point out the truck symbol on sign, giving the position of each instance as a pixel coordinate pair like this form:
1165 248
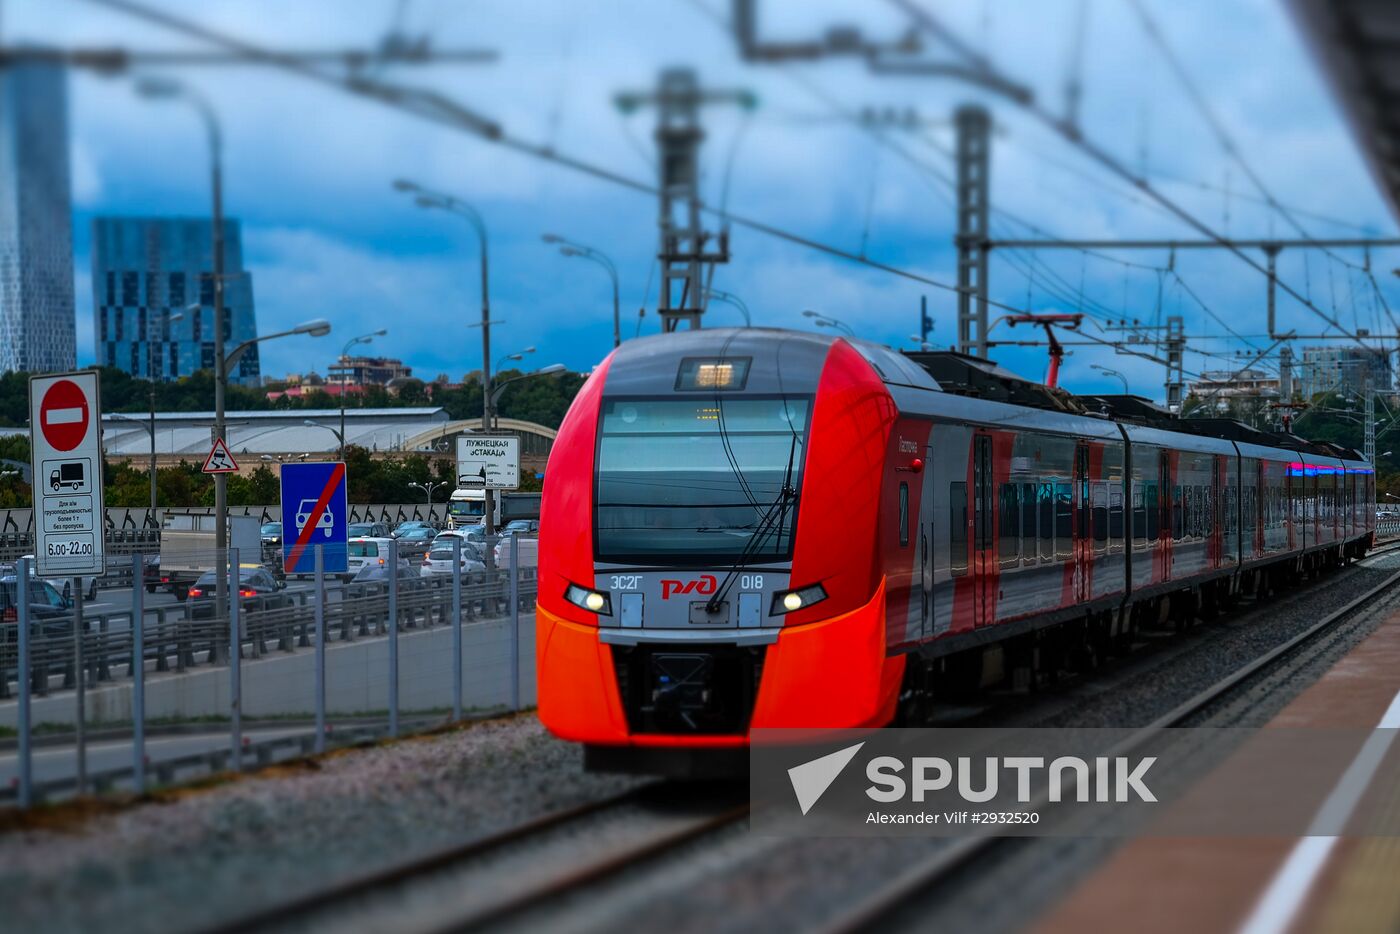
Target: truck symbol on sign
67 476
325 521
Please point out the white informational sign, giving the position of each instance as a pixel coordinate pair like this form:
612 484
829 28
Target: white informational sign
65 442
489 462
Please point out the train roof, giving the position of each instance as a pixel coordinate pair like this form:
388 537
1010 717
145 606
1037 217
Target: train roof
978 377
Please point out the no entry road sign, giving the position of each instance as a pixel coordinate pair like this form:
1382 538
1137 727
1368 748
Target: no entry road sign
64 414
65 442
314 512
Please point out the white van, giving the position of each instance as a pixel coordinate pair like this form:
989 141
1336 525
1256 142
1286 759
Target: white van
360 552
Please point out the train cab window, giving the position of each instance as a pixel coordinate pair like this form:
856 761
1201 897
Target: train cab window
1009 531
1045 500
903 514
1028 522
957 528
1064 520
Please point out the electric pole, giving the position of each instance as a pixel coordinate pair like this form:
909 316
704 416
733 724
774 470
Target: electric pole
684 259
1175 344
974 132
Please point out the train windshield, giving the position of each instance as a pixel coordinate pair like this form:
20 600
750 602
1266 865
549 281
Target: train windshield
698 479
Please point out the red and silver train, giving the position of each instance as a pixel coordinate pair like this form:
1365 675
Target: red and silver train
762 528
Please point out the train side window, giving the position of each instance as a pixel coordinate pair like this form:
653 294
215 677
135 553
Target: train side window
1176 513
957 528
1009 542
1099 515
1064 520
1139 514
1154 512
903 514
1115 514
1045 497
1028 522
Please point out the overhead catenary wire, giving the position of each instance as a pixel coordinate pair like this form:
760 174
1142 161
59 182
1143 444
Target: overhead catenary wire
926 22
437 109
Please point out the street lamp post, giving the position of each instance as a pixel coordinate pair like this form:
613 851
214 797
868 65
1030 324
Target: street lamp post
339 436
428 489
1111 372
517 357
344 351
569 248
826 321
731 299
167 89
442 202
506 384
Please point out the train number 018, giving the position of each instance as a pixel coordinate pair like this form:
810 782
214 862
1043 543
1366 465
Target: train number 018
751 582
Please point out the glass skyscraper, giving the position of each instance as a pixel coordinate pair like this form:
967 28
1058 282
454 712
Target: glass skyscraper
146 271
36 232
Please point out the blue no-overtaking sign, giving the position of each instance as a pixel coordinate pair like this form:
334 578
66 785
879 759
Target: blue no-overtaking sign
314 512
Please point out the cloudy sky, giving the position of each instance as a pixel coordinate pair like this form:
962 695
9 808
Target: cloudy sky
309 169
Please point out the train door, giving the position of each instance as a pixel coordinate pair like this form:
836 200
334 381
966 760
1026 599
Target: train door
1083 531
984 561
1216 514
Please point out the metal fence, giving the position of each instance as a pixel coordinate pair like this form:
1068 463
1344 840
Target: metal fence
229 638
138 529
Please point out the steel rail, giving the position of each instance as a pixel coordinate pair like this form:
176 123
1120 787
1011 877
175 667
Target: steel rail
304 906
328 899
905 887
568 882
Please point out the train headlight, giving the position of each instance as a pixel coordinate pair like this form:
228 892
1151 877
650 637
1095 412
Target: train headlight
786 601
594 601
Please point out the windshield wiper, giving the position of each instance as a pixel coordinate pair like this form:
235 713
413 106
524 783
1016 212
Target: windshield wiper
771 519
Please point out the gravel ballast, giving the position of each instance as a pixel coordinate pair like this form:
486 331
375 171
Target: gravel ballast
206 856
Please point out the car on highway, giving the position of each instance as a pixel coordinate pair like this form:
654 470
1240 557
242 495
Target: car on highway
367 530
271 533
527 549
416 541
467 533
64 585
366 552
408 524
257 590
46 606
438 559
373 580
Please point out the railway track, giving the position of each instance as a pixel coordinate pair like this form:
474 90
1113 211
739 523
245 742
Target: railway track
879 905
387 898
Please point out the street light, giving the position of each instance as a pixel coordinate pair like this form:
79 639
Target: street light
162 88
826 321
344 352
518 356
433 200
150 426
506 384
923 344
731 299
340 438
428 488
1111 372
570 248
